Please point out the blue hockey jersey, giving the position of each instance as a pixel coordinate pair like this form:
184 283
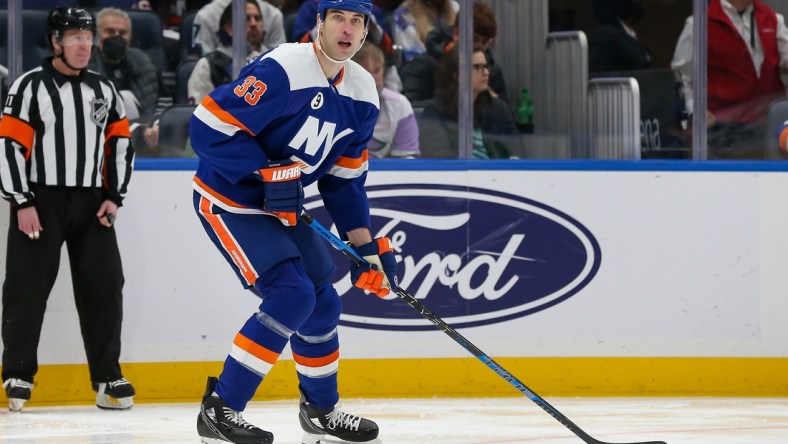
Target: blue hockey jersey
283 107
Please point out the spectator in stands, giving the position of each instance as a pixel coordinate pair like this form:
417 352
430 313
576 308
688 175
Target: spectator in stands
396 131
418 75
747 48
216 68
493 122
414 19
133 73
130 69
614 46
206 23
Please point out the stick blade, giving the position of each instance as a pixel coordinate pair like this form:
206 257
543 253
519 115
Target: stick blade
595 441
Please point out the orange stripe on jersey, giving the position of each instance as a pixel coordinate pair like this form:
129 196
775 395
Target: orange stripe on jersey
255 349
228 242
351 162
117 129
18 130
341 76
214 108
216 195
316 362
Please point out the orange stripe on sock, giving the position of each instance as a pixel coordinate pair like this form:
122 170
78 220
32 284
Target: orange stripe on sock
316 362
255 349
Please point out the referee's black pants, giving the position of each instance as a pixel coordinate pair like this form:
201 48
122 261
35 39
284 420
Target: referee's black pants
67 214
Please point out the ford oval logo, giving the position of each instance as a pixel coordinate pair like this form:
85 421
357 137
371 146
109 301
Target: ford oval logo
472 256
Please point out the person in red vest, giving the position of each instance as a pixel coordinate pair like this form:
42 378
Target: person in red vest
747 47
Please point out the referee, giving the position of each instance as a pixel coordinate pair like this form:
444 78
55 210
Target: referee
65 163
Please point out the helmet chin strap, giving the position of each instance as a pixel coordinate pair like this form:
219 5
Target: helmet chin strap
320 47
62 57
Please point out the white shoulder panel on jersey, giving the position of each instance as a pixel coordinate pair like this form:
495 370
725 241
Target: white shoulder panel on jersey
358 84
300 64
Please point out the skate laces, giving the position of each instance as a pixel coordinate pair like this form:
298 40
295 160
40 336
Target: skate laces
236 418
342 419
17 383
119 382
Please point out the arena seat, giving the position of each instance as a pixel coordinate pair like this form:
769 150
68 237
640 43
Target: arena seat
174 130
182 79
663 112
146 34
186 32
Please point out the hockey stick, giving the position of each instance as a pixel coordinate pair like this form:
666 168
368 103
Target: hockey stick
460 339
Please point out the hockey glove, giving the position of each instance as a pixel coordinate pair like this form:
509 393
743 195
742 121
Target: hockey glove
782 138
284 196
379 274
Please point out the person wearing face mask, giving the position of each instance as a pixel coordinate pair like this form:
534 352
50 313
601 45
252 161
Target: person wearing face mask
130 69
614 46
301 114
216 68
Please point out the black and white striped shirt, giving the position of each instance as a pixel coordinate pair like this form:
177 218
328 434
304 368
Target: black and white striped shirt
63 131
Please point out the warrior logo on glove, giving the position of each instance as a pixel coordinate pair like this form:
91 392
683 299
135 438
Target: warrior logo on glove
284 195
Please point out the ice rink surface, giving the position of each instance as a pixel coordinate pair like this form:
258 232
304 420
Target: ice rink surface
432 421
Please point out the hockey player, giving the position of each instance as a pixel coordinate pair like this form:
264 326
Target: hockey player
301 113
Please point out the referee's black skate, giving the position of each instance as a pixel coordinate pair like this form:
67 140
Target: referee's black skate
334 426
217 423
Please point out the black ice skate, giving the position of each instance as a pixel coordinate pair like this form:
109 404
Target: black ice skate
18 393
114 395
217 423
334 426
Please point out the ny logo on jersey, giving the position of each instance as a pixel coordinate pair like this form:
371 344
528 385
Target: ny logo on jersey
315 137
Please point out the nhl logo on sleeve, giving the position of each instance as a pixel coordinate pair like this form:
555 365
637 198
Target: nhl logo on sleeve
99 110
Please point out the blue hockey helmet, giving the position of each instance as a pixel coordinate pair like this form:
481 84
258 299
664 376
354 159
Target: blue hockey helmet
360 6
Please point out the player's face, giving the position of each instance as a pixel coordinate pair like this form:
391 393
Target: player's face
480 74
76 46
342 33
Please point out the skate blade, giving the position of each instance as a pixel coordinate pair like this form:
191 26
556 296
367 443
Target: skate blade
107 402
310 438
15 404
205 440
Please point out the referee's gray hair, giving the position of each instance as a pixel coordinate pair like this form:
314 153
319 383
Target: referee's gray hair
113 11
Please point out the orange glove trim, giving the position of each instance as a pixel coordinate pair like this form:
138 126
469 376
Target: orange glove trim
384 245
290 219
784 140
281 173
